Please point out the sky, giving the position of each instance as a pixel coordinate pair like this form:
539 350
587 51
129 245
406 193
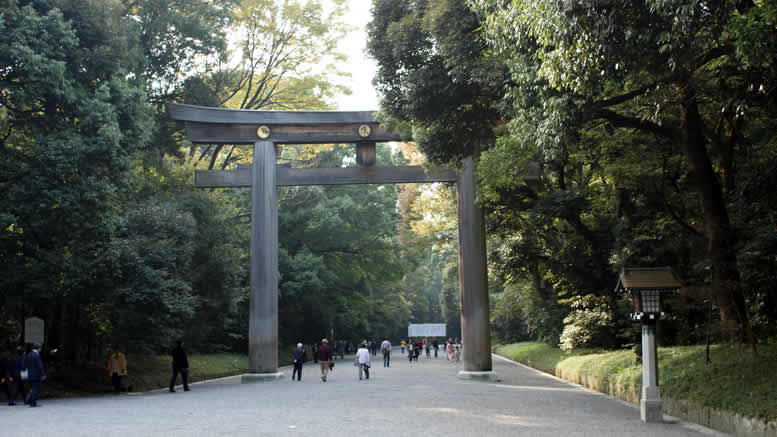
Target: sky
359 65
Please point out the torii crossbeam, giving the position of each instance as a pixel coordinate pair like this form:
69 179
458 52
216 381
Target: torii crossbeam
265 129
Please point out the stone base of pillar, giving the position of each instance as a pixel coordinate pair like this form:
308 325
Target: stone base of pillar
651 410
252 378
478 376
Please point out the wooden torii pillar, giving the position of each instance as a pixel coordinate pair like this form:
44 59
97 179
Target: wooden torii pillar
266 129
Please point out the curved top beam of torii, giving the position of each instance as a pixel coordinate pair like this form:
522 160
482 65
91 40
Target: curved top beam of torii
240 126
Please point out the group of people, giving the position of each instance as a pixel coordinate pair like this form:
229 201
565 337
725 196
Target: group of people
324 356
414 348
117 367
20 370
15 370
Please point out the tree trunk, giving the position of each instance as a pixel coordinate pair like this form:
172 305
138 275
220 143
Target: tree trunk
726 284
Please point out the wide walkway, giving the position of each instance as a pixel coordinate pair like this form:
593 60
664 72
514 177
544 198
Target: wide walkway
418 399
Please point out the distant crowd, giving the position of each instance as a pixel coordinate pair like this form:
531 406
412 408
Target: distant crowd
326 355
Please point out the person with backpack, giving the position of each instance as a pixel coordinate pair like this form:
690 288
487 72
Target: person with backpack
385 348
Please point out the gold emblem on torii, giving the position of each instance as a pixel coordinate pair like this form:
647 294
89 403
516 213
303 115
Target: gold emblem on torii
263 132
365 131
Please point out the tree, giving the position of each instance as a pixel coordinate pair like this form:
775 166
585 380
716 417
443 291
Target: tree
71 121
285 57
670 70
432 75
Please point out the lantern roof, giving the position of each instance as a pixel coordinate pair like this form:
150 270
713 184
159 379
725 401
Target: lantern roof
647 278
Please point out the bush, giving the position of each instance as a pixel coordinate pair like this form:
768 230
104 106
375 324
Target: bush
590 324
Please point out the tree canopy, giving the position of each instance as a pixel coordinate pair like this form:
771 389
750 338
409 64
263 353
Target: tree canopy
653 123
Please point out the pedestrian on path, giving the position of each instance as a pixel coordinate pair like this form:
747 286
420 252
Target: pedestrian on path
6 380
180 365
410 351
34 365
436 346
117 368
427 349
402 346
385 348
298 358
363 360
450 349
324 355
16 374
341 349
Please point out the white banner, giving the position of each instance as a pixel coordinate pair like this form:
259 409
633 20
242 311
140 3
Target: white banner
426 330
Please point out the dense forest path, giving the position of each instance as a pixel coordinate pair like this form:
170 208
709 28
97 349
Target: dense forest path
420 398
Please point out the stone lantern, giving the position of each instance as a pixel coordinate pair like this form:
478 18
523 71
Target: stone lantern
648 287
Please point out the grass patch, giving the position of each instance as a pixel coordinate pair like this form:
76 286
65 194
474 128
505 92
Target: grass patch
736 380
148 373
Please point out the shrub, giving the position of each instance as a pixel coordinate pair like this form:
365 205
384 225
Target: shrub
591 323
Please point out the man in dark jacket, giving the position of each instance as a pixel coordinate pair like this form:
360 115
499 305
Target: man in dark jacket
35 374
298 358
180 365
16 375
6 380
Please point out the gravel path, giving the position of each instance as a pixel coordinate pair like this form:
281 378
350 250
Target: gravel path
407 399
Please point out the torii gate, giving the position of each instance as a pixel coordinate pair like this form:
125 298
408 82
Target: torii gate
266 129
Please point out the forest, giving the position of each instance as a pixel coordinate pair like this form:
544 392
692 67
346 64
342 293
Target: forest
653 122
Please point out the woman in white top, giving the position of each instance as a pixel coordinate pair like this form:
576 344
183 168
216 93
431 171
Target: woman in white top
363 360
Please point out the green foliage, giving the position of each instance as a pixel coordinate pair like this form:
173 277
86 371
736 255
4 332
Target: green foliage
432 74
593 322
736 380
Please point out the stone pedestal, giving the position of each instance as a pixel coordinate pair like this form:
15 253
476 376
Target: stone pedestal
489 376
253 378
651 407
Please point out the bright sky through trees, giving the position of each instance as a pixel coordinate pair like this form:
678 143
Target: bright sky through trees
359 65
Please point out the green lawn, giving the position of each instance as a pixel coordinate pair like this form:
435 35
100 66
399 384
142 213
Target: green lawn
148 373
736 380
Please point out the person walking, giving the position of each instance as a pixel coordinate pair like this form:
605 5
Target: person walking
385 348
180 365
324 355
363 360
16 375
402 346
35 374
341 349
315 352
298 358
117 368
410 351
450 349
436 347
427 349
6 380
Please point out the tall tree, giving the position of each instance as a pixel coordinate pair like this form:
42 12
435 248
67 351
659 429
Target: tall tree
666 69
71 121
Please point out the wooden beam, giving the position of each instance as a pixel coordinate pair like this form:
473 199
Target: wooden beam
209 133
325 176
203 114
366 155
232 126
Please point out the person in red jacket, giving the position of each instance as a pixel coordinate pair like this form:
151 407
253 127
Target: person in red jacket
324 355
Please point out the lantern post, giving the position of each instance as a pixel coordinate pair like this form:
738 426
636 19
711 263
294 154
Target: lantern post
648 286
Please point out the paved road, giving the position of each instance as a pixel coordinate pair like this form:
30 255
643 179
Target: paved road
418 399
